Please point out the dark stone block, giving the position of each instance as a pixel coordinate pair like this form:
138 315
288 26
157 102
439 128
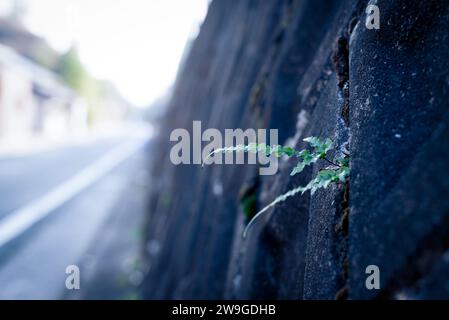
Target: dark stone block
397 100
324 257
407 232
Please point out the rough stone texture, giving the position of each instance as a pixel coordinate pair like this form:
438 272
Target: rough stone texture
310 67
399 79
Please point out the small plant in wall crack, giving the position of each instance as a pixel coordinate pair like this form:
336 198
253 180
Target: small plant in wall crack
337 170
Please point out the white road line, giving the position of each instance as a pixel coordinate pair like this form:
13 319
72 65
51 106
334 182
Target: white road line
21 219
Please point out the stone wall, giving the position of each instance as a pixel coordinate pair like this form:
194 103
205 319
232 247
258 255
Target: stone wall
310 67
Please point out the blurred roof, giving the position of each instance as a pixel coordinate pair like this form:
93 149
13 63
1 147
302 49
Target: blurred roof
45 81
16 36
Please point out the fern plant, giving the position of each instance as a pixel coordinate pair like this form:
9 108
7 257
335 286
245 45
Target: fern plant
336 172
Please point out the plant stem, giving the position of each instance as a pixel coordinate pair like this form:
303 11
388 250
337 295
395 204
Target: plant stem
333 163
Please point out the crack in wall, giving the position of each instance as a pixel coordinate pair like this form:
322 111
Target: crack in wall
341 231
340 62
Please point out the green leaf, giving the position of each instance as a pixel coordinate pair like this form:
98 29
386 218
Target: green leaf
323 179
287 151
344 161
321 148
298 168
343 173
313 141
307 159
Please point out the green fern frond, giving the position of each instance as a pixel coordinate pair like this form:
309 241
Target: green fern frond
336 173
276 150
322 180
279 199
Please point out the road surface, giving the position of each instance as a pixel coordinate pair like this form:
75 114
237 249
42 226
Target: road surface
80 205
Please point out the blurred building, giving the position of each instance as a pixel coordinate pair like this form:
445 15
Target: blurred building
33 100
13 34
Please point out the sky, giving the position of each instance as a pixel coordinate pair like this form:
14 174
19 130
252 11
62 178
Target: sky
135 44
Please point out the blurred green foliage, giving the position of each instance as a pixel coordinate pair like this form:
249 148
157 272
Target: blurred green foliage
71 69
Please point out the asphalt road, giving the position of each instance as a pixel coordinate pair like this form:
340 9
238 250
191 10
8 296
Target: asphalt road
80 205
